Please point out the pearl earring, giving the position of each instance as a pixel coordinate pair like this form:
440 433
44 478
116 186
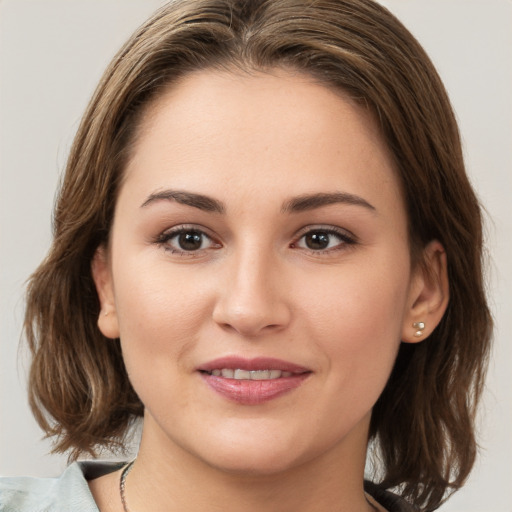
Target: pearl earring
419 326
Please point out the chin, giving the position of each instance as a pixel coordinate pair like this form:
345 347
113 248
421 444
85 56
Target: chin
253 463
257 453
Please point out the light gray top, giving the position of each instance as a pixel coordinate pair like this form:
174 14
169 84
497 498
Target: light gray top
67 493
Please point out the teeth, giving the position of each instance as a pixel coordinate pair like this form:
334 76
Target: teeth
238 374
262 375
242 375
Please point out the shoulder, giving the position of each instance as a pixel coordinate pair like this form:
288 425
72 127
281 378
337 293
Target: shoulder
68 492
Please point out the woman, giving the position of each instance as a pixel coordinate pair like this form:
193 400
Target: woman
266 245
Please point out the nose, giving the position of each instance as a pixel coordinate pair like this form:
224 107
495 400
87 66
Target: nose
252 297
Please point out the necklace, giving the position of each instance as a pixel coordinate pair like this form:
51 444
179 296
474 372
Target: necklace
129 466
371 502
122 484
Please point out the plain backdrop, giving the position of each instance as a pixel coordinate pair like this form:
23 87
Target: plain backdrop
52 53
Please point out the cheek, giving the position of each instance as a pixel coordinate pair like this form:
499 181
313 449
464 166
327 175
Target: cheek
364 298
355 318
158 312
159 316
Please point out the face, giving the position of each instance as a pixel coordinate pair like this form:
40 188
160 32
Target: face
258 272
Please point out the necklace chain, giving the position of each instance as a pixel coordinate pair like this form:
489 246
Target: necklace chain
128 468
122 484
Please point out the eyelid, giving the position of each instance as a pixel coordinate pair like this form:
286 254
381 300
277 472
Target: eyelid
347 238
168 234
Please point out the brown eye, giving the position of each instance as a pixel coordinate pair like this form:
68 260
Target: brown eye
190 240
186 240
317 240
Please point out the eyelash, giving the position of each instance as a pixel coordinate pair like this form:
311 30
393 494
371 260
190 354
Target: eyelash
345 238
166 237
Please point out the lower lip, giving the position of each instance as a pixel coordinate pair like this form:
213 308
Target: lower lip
253 392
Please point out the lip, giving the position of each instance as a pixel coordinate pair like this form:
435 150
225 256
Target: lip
253 392
254 364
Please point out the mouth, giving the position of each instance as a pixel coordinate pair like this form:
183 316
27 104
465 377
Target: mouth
252 381
238 374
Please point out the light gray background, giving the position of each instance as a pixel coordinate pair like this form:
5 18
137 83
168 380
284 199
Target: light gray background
52 53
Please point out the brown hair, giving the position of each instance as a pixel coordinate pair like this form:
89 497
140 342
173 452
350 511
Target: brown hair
423 423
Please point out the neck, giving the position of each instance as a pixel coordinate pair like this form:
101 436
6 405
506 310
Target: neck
176 480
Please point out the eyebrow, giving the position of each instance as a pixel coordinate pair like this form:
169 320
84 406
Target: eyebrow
199 201
313 201
296 204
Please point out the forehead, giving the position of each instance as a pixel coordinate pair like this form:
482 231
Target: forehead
274 130
233 95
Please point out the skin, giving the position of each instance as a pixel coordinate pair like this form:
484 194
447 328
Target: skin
254 142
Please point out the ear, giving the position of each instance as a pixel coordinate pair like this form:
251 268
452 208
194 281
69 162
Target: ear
428 294
102 276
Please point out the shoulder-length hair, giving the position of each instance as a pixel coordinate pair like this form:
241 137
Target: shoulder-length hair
423 424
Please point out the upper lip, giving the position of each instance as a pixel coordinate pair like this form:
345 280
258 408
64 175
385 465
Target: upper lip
252 364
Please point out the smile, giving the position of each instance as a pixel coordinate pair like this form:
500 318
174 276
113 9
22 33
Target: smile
252 381
239 374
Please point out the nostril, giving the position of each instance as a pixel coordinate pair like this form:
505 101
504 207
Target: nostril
248 325
249 306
